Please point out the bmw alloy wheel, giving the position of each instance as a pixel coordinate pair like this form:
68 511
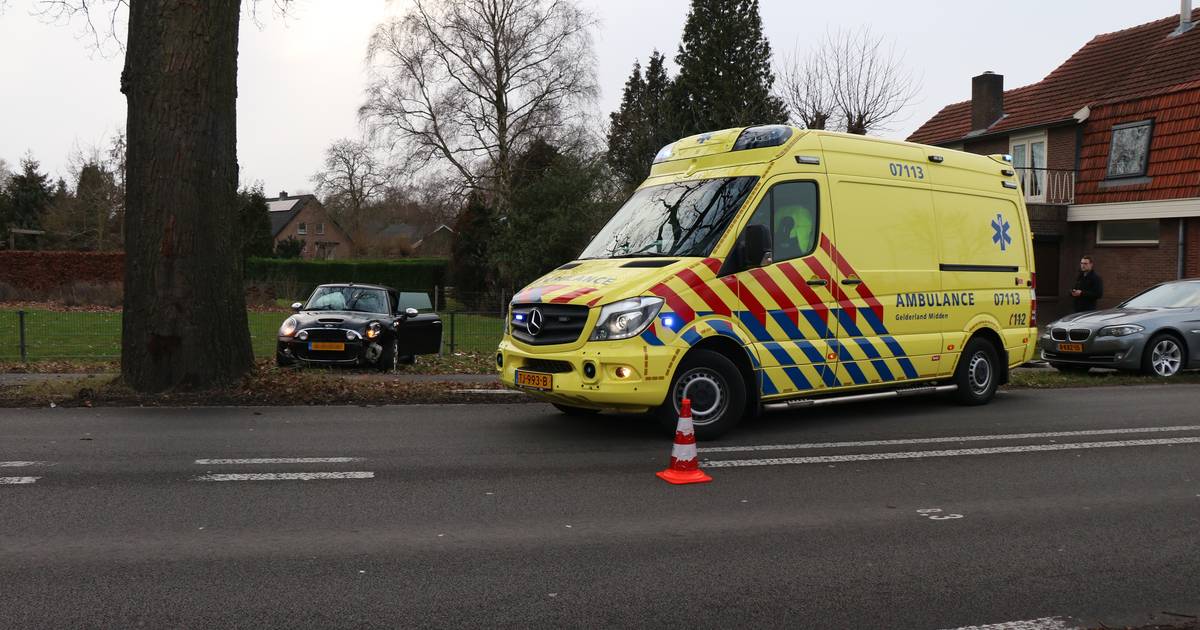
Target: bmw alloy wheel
1166 358
707 390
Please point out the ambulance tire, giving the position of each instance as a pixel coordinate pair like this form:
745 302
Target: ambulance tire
575 411
717 390
977 374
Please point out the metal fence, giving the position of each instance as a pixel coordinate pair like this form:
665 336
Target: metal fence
37 335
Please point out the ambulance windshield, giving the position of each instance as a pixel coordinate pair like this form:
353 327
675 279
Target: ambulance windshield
680 219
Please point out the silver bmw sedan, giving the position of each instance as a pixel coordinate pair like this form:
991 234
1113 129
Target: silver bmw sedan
1156 332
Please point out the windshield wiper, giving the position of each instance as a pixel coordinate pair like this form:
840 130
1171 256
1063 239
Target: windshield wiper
644 255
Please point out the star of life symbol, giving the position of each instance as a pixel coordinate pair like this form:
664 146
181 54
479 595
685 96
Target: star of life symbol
704 137
1001 236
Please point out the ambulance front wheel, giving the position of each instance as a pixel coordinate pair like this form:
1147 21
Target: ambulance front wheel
978 373
718 394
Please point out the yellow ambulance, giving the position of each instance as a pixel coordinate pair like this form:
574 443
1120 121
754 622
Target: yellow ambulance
771 266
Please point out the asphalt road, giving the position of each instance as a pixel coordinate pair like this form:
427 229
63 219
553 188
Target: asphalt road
916 514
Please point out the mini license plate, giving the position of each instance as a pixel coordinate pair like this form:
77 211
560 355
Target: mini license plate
1070 347
327 346
535 380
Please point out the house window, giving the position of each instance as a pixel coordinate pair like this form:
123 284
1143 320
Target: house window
320 228
1029 160
1130 149
302 229
1137 232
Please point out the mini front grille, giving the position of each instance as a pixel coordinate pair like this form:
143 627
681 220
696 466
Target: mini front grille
1080 334
559 323
546 365
1058 334
326 334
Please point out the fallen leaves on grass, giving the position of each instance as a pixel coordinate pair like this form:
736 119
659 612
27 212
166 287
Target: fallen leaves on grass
263 386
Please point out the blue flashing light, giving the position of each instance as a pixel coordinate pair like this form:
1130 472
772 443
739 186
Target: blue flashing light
519 317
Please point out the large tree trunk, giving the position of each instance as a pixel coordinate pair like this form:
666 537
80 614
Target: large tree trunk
185 314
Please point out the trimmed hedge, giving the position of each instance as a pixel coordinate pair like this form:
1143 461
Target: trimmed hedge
408 274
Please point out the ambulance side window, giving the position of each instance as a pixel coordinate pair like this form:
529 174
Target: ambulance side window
789 211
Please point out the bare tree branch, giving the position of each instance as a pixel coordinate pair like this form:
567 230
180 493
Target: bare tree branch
466 84
352 179
805 88
868 82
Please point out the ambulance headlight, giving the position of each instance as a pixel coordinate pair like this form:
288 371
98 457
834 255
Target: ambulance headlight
625 319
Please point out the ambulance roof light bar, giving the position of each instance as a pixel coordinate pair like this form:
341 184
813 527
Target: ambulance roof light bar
762 136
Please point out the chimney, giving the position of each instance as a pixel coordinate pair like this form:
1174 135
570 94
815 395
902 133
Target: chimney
1185 18
987 99
283 194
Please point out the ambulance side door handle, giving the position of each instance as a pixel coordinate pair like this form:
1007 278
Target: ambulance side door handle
817 282
851 281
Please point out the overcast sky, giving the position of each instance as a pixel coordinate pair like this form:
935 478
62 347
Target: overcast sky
301 77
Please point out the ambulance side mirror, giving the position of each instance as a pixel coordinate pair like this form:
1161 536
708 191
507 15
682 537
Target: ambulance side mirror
755 239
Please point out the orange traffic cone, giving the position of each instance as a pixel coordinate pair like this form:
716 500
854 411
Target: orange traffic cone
685 465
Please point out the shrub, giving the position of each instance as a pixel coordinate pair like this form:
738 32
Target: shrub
410 274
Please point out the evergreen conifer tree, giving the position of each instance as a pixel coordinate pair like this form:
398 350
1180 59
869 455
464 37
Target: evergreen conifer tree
27 194
643 125
725 75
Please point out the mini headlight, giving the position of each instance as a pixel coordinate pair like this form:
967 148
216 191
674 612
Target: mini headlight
303 335
1119 331
288 328
625 319
373 330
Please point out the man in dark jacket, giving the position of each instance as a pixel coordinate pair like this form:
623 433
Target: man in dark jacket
1088 286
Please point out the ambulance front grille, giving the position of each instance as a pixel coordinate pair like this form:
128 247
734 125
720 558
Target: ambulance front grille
560 323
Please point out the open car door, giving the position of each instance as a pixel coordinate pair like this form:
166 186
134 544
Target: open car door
420 333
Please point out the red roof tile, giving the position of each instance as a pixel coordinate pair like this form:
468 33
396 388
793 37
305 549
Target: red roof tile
1111 67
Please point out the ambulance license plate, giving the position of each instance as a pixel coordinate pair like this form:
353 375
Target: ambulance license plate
327 346
535 380
1070 347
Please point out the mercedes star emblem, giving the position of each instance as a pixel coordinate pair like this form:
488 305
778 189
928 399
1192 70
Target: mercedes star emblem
534 325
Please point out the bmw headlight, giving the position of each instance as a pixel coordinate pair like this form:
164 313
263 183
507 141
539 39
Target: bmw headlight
373 330
1119 331
625 319
288 328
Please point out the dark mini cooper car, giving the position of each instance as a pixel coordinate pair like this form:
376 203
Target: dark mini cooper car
1156 332
359 324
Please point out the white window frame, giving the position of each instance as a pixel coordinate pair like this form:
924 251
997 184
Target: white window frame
1100 240
1028 140
302 228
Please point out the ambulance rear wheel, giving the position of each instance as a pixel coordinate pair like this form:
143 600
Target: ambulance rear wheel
978 373
715 387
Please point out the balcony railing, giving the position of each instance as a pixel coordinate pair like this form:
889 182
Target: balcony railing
1047 185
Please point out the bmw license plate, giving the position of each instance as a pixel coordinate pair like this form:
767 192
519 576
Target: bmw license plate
1070 347
535 380
327 346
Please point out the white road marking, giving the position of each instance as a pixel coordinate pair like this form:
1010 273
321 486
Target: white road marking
302 476
940 440
10 481
1045 623
280 460
863 457
23 464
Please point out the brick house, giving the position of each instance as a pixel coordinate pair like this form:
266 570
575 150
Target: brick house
1107 147
304 218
